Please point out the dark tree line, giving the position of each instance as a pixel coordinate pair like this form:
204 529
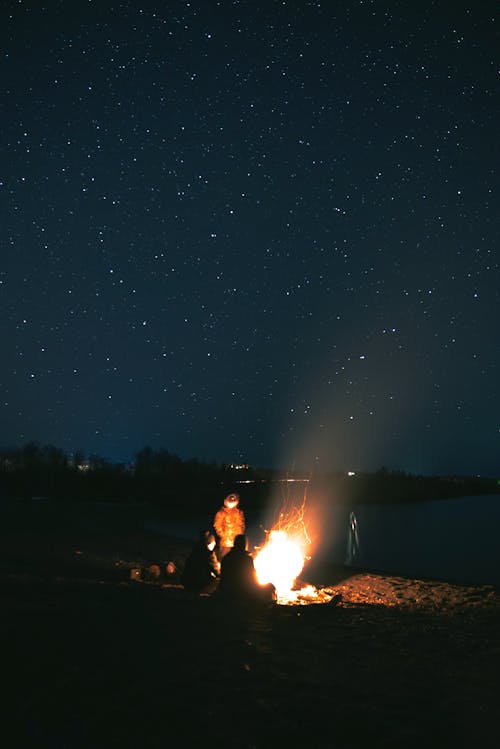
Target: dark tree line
155 476
390 487
162 478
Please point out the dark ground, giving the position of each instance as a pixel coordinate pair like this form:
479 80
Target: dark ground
94 661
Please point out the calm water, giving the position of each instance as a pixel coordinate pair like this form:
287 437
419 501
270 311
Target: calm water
456 540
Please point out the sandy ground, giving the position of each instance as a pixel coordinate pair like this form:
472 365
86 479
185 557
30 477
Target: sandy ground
95 660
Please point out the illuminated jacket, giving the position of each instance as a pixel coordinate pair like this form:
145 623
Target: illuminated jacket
228 523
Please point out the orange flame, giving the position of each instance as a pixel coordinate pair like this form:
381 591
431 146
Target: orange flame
281 560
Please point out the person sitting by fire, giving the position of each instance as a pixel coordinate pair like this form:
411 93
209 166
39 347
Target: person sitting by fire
229 521
238 579
202 568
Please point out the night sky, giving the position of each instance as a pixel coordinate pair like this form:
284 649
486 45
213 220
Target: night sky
261 232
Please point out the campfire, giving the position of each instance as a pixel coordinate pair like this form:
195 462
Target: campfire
281 560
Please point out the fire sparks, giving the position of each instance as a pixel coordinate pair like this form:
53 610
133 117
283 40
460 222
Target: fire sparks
280 562
281 559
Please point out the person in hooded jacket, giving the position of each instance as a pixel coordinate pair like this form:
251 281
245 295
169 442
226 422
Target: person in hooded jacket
202 568
229 522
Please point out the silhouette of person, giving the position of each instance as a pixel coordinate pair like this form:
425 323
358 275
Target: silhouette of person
238 580
202 569
229 522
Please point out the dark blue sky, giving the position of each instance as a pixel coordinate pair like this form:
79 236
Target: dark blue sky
252 231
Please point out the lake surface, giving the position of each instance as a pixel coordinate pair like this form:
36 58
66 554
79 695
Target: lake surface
456 539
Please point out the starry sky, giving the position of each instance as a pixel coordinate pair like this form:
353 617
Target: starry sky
256 231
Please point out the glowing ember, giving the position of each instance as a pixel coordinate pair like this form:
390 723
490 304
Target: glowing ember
279 562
